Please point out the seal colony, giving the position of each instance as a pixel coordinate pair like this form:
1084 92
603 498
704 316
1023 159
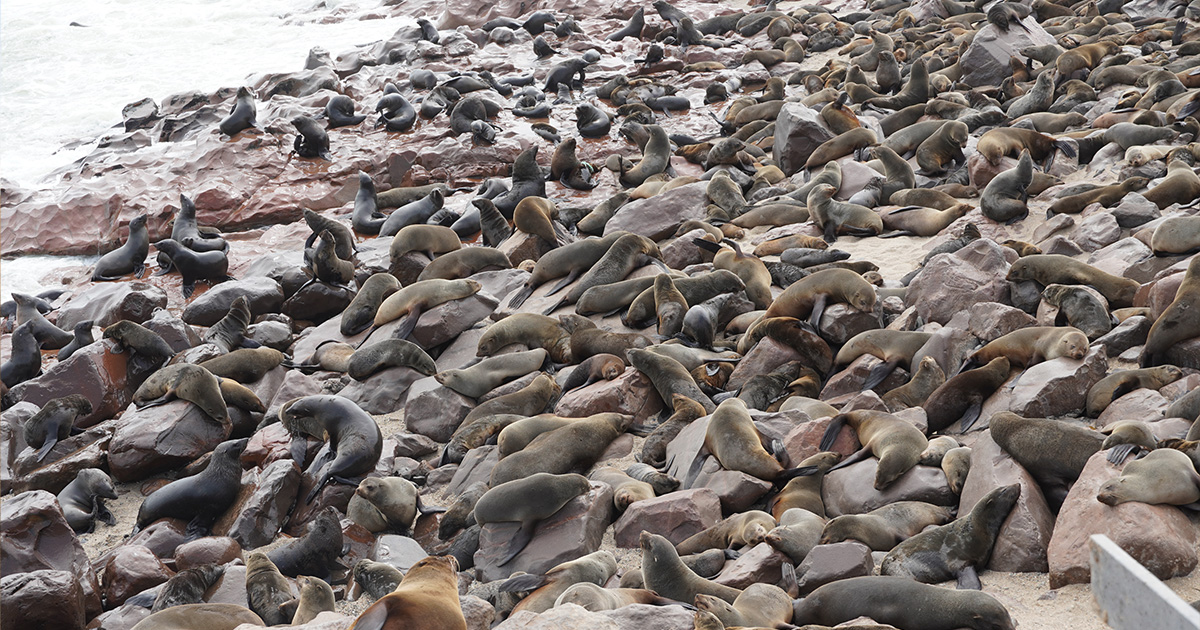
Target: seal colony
672 313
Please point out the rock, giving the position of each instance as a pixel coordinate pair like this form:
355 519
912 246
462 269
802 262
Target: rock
435 411
34 536
1146 405
631 617
681 252
764 357
401 552
1096 231
295 384
413 445
658 217
446 321
1061 245
106 303
573 531
856 176
676 516
1059 386
829 563
477 465
1025 534
950 283
230 587
1127 250
990 320
157 439
841 321
317 302
851 490
798 132
478 613
986 59
94 371
630 393
1128 334
121 618
264 295
207 550
384 391
12 439
130 570
500 283
258 518
1135 210
804 441
851 379
54 476
521 247
762 563
42 599
162 537
1160 537
302 83
173 330
981 172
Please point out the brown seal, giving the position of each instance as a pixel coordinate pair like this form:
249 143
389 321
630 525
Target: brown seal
669 377
626 489
605 299
841 145
464 262
894 347
1047 269
961 397
1125 437
808 297
207 616
760 605
626 254
427 598
896 443
839 217
531 330
695 290
1011 141
1117 384
430 240
201 498
527 500
54 422
738 530
959 549
187 586
1005 199
244 365
805 491
417 298
1106 196
1179 321
387 504
316 597
595 598
654 448
354 437
529 400
575 447
185 382
266 588
890 600
782 244
943 148
749 268
732 438
1054 452
387 353
594 568
1029 346
492 372
956 464
376 579
596 368
317 552
1164 477
1181 185
883 528
535 215
665 574
928 377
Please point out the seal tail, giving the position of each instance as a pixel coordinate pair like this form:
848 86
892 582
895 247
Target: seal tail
831 432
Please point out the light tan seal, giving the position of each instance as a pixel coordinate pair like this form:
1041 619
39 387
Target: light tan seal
427 598
492 372
883 528
1047 269
1029 346
896 443
739 530
1164 477
1117 384
594 568
417 298
1178 322
575 447
185 382
808 297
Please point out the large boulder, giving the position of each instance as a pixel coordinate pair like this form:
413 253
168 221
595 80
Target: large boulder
659 216
986 59
34 536
950 283
263 295
96 371
798 132
1059 386
109 302
156 439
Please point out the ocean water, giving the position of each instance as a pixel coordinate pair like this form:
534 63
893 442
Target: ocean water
62 87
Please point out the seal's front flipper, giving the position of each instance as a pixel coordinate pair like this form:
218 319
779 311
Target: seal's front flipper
518 542
970 415
51 440
879 373
858 456
968 579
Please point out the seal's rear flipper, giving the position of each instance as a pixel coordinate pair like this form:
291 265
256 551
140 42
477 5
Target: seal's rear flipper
1118 453
51 440
818 307
410 322
521 583
831 432
968 579
858 456
792 473
373 618
787 580
562 284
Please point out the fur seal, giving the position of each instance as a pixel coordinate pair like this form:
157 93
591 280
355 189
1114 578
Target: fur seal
890 600
894 347
212 266
339 111
311 140
1049 269
739 530
1012 141
529 329
207 616
527 181
460 514
664 573
377 579
1106 196
1125 437
414 212
1053 452
960 398
1117 384
490 373
82 500
360 314
201 498
316 596
535 215
414 299
428 597
656 157
187 587
626 254
760 605
185 382
147 350
316 552
244 365
241 116
896 443
928 377
1181 185
387 504
1081 307
1176 236
464 262
594 568
1179 321
732 438
527 500
669 377
366 218
230 331
1164 477
266 588
130 257
1005 198
883 528
594 598
54 422
1029 346
596 368
430 240
808 297
654 448
838 217
574 447
355 442
958 549
626 489
805 491
370 359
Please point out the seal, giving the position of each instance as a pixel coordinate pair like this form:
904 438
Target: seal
1181 185
627 253
1106 196
596 598
928 377
732 438
387 504
360 314
1125 437
54 422
354 438
805 491
1029 346
366 218
1081 307
187 587
780 245
890 600
598 367
656 156
574 447
339 111
207 616
244 365
1011 141
594 568
316 553
664 573
129 257
760 605
266 588
960 398
241 117
311 140
428 597
370 359
626 489
1117 384
316 596
1163 477
695 290
1005 198
82 500
739 530
896 443
414 299
376 578
884 528
529 329
959 549
527 180
1053 452
1179 321
185 382
654 448
464 262
1047 269
530 400
838 217
414 212
212 266
535 215
490 373
808 297
147 350
201 498
185 226
669 377
894 347
1176 236
632 28
527 500
230 331
567 262
25 358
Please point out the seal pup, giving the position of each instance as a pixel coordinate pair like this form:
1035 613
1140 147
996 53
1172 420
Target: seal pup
317 552
958 549
311 140
1164 477
129 257
187 586
55 421
890 600
1125 437
1108 389
147 350
316 597
184 381
266 588
1029 346
427 598
82 500
339 111
241 116
883 528
202 498
376 578
355 442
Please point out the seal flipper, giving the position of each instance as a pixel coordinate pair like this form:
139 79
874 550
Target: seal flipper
522 294
858 456
971 415
695 468
518 583
51 440
554 307
791 473
817 309
518 542
161 400
1118 453
968 579
139 270
562 284
879 373
199 526
102 514
831 432
373 617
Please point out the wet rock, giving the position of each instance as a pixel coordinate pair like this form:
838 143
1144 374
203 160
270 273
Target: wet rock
798 132
264 295
573 531
384 392
298 84
762 563
630 393
986 59
130 570
1059 386
1128 334
12 439
95 371
157 439
990 320
1021 545
435 411
1135 210
658 217
173 330
676 516
950 283
1160 537
446 321
258 518
34 536
86 450
107 303
401 552
42 599
1096 231
207 550
829 563
851 490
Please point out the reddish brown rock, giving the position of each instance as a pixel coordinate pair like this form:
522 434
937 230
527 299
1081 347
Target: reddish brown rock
476 466
676 516
258 518
950 283
1129 333
804 441
850 380
120 618
851 490
1160 537
829 563
130 570
12 439
1096 231
435 411
630 393
96 372
156 439
658 217
1025 534
173 330
35 536
107 303
1059 386
1146 405
761 563
765 356
207 550
681 252
268 445
162 537
42 599
573 531
736 490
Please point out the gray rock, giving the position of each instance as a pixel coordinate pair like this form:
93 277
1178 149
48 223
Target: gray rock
986 59
798 132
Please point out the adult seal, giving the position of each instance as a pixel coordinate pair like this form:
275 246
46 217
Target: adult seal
1005 198
207 616
355 442
128 258
201 498
192 265
360 314
184 381
241 117
54 422
366 218
528 501
1180 320
664 573
317 552
266 588
1164 477
890 600
1048 269
311 140
82 500
427 598
896 443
